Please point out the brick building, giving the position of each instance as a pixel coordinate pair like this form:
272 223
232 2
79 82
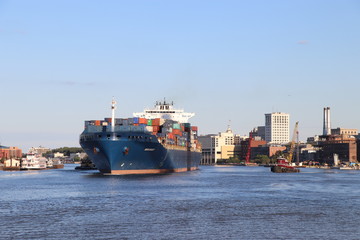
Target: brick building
10 152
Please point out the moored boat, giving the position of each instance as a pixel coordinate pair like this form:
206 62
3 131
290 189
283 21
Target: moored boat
56 164
33 161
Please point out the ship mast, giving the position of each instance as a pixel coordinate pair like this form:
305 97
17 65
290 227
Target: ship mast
113 107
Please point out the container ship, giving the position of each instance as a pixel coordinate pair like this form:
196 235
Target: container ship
158 140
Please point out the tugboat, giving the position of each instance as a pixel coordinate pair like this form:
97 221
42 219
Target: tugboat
283 166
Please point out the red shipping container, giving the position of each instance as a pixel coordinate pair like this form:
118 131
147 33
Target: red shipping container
156 122
156 128
177 132
136 124
170 136
97 122
194 128
143 121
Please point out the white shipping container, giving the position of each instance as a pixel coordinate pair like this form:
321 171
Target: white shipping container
149 128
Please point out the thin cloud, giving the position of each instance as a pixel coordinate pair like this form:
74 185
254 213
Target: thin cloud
303 42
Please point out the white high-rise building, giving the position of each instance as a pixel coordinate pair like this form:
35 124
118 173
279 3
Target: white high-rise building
277 127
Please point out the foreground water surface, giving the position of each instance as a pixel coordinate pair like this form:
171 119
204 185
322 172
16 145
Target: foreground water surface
212 203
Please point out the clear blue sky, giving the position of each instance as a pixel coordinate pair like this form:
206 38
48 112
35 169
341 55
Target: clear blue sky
63 61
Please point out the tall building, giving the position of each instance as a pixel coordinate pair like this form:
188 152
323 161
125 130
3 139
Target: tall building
277 128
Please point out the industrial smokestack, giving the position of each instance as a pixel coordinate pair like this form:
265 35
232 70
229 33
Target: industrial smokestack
324 122
328 122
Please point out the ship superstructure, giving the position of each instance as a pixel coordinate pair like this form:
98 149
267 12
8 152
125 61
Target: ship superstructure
165 110
160 141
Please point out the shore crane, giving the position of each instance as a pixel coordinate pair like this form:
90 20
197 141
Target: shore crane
292 143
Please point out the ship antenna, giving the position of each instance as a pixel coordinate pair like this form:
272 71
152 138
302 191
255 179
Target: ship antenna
113 107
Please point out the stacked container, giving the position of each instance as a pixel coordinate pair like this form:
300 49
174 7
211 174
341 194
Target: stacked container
167 131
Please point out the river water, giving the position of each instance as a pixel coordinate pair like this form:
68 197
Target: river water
212 203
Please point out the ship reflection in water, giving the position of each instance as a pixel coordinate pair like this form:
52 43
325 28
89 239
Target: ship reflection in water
212 203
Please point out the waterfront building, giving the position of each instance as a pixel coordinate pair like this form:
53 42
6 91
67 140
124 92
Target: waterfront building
266 150
344 131
254 143
59 155
344 147
10 163
277 128
309 153
313 140
77 155
39 150
219 146
10 152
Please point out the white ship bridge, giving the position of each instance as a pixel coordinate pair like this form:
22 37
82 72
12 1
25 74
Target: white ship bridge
165 110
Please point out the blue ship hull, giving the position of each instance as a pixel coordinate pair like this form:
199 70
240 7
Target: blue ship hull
136 153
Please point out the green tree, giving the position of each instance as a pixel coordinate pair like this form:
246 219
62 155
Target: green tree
67 150
262 159
233 160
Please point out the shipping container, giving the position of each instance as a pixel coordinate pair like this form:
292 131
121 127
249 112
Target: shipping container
176 126
156 128
119 121
149 122
97 122
170 136
136 120
89 123
109 120
177 132
143 121
134 128
166 129
93 128
149 128
194 128
125 122
156 122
